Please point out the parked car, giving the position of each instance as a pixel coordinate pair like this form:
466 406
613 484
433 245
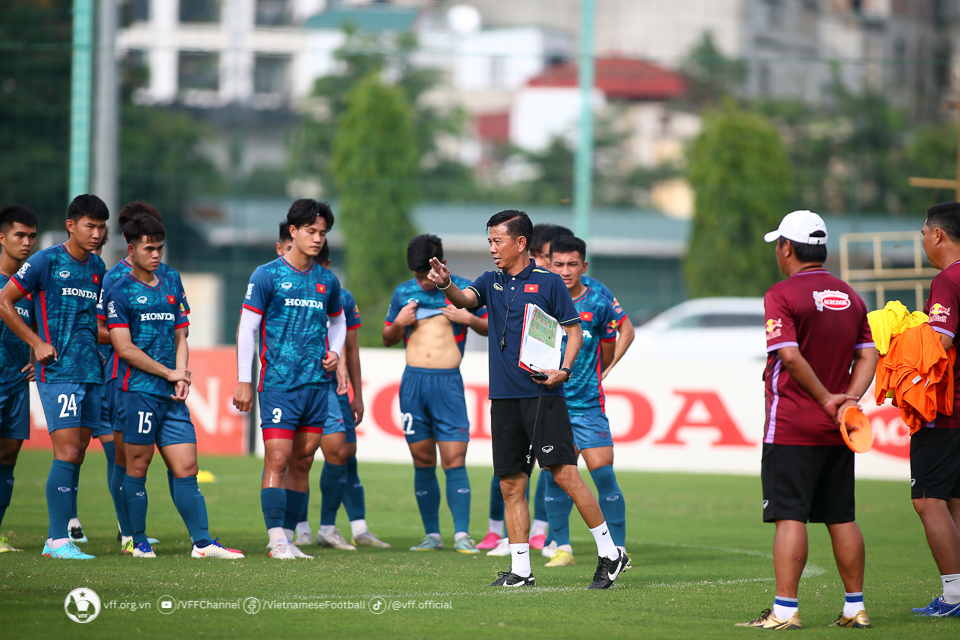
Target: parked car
704 329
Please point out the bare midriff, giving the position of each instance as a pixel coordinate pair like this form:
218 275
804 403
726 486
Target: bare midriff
432 344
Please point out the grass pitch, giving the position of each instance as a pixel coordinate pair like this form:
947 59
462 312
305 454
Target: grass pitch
701 562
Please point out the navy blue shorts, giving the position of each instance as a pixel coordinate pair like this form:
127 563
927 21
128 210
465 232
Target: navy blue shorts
341 409
432 405
591 430
283 413
70 404
148 420
335 422
15 415
109 408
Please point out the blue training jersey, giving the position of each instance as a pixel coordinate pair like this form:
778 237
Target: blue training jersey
584 390
14 352
294 306
65 295
152 314
429 303
113 275
602 289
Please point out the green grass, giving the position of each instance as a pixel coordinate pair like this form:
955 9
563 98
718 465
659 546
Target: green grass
700 555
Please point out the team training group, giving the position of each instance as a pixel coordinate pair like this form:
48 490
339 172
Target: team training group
108 351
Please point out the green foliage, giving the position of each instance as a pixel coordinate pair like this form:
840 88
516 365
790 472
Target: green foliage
743 184
932 153
712 75
360 56
374 166
35 56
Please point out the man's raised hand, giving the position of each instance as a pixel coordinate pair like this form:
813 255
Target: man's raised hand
439 273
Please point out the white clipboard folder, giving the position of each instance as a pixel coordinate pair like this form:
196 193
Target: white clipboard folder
540 341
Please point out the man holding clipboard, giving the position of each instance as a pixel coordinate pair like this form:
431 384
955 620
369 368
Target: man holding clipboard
529 416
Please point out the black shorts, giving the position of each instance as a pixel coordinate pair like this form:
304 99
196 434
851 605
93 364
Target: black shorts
809 484
935 464
512 428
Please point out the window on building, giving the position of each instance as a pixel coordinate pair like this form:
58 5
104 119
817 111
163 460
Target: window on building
135 69
498 71
900 60
198 70
271 74
273 12
199 10
136 10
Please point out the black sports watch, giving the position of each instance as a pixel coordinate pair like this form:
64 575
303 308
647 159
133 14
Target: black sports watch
567 369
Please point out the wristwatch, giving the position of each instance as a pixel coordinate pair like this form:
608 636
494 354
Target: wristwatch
567 369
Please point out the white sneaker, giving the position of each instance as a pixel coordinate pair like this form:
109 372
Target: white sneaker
283 551
216 550
300 554
502 548
334 539
304 537
549 550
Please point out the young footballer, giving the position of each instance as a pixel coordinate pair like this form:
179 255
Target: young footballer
147 321
286 311
18 234
64 282
585 401
432 404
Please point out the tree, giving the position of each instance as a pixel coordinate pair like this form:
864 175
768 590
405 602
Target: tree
712 75
387 56
374 165
743 184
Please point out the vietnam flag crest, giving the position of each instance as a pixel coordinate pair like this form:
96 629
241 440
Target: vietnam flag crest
96 279
531 288
586 316
171 300
321 288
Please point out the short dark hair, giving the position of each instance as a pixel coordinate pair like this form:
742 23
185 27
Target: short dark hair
420 249
16 213
324 255
807 253
569 244
305 210
132 209
144 226
517 222
87 205
285 232
946 217
551 233
538 230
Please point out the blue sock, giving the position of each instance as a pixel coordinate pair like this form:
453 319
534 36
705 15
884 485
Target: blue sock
296 504
273 503
305 512
192 510
353 498
76 490
333 482
611 503
558 505
116 491
539 508
427 488
135 497
458 498
110 450
6 488
170 480
59 497
496 499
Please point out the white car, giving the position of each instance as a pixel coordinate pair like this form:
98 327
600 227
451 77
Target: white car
704 329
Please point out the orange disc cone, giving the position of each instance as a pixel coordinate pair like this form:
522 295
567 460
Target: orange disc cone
856 430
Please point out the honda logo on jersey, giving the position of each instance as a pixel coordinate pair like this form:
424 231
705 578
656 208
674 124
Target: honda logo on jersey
531 288
321 288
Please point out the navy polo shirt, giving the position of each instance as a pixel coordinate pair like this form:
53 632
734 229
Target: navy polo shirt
499 291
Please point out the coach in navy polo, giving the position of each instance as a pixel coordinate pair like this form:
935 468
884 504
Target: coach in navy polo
527 416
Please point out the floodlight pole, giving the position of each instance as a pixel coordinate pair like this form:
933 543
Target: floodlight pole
81 97
105 151
583 163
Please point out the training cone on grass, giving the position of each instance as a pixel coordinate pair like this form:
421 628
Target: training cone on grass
856 430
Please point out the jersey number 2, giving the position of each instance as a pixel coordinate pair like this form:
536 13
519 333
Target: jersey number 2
68 405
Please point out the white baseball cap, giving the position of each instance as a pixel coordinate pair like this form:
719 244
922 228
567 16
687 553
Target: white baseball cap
798 226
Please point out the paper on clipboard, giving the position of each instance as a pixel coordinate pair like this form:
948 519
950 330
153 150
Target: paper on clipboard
540 341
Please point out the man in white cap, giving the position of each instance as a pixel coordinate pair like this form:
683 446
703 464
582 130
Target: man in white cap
816 326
